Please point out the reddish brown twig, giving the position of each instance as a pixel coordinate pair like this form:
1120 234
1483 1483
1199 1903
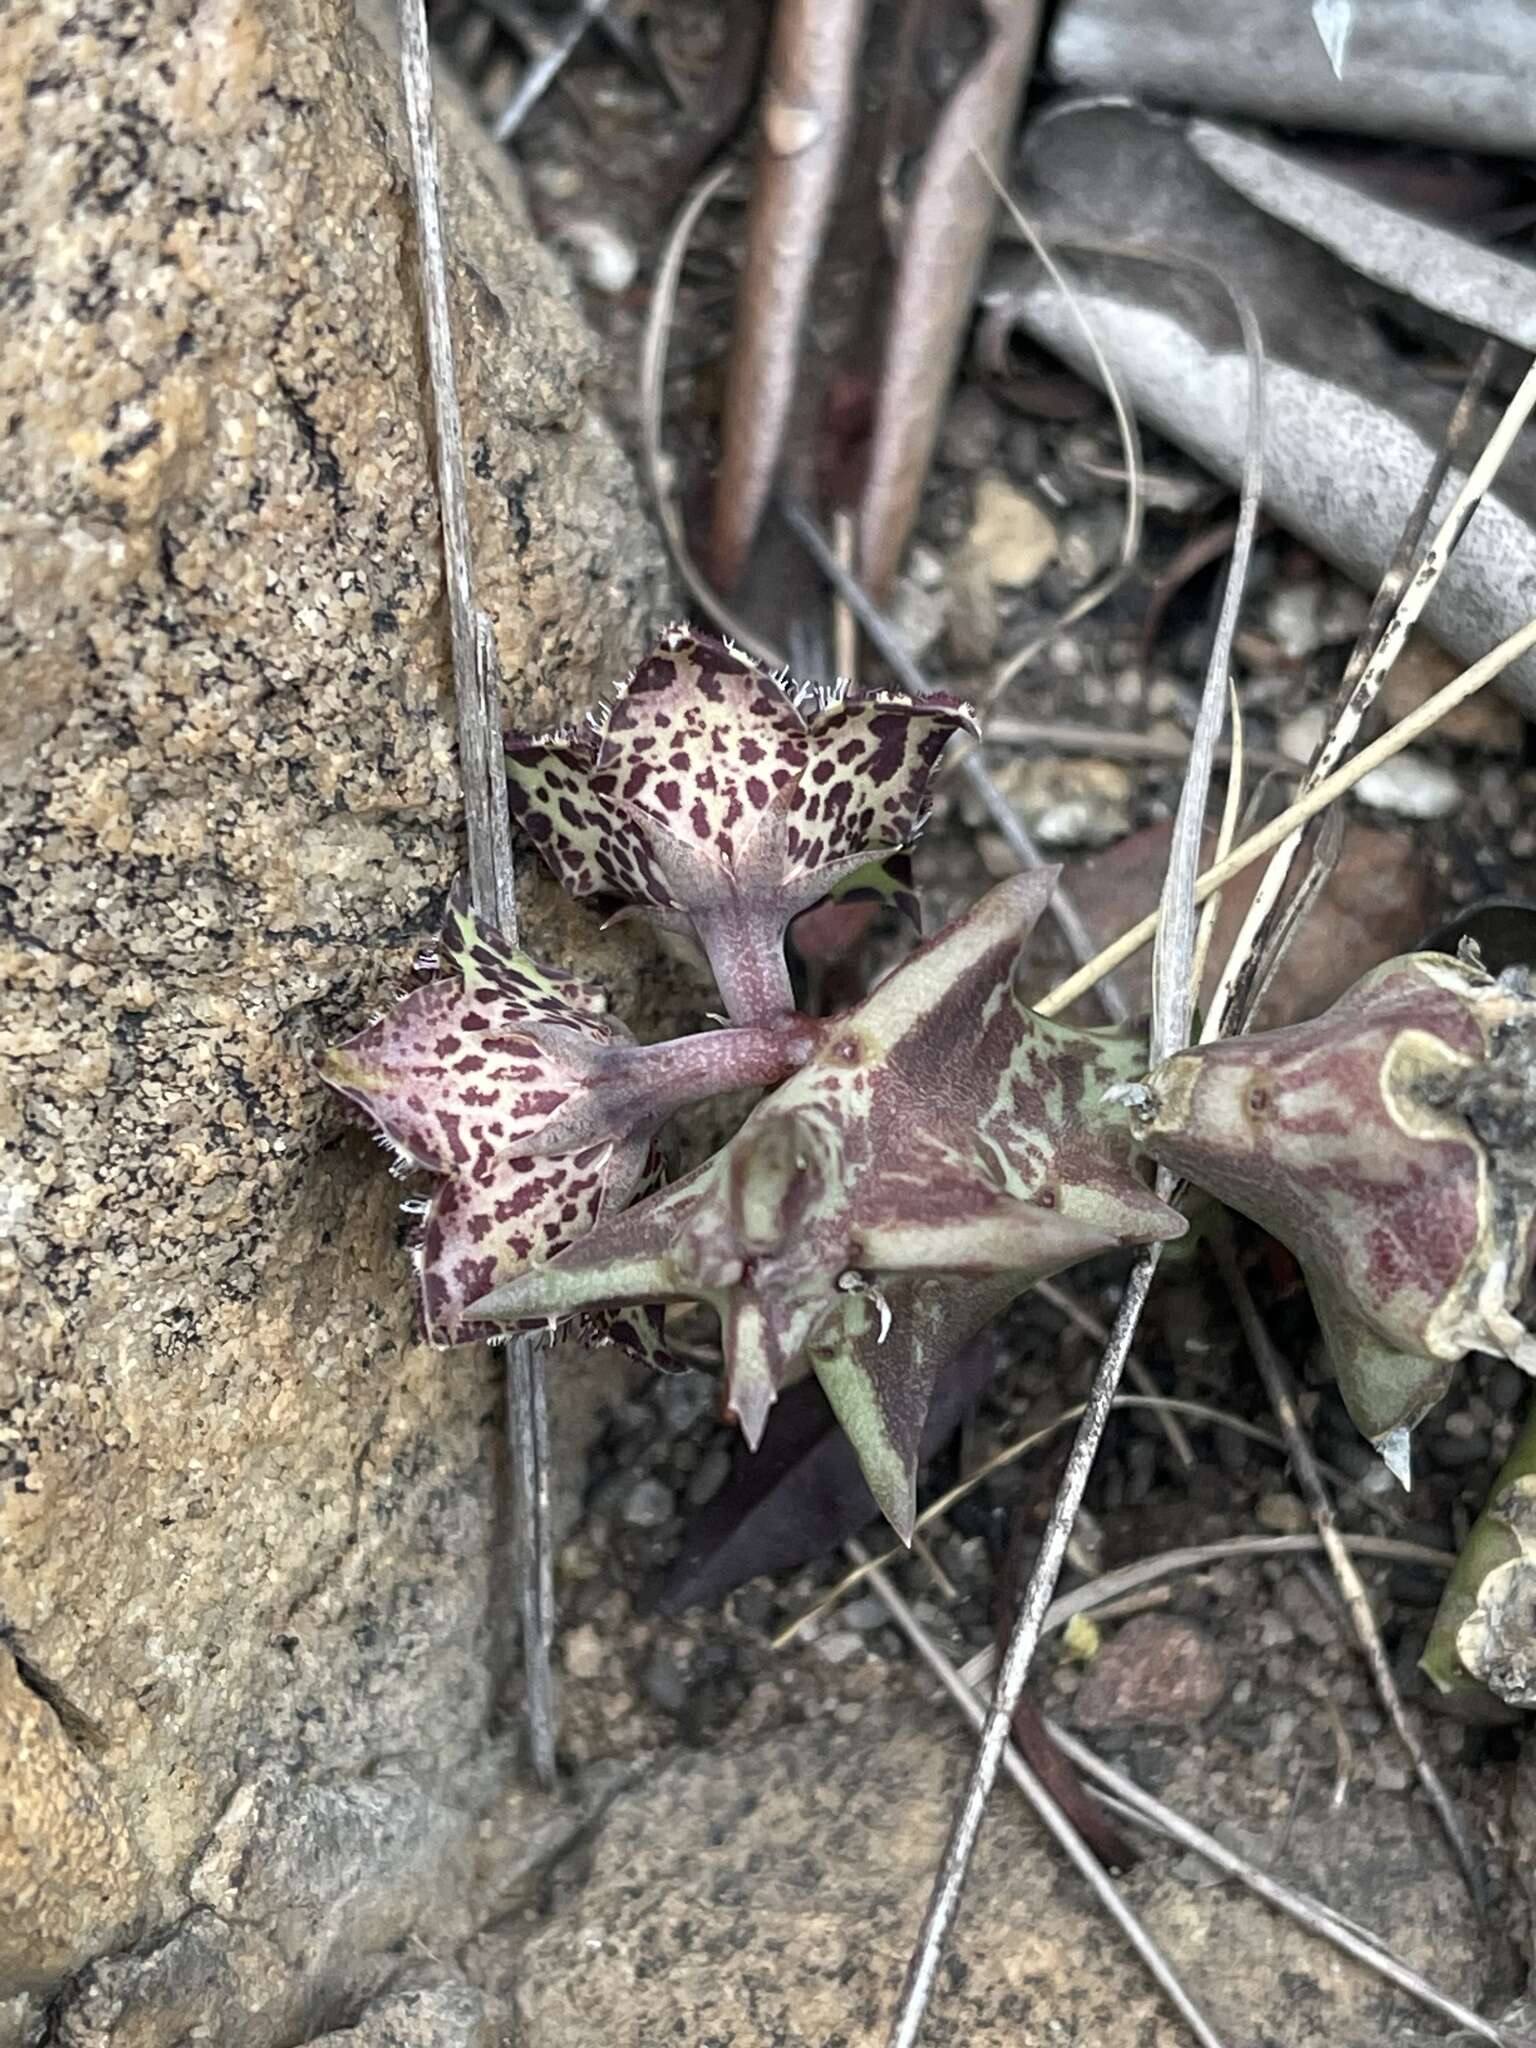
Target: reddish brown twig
804 114
948 228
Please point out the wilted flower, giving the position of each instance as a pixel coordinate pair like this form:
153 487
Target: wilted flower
480 1079
942 1150
724 803
1371 1142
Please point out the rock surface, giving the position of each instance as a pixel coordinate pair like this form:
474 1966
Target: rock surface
252 1535
770 1893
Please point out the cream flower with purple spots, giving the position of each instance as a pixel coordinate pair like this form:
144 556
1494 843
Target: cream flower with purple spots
723 803
483 1079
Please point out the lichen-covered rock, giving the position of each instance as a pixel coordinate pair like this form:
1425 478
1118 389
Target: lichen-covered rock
247 1519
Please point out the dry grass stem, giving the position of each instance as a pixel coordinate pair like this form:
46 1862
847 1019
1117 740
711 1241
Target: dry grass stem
1226 832
1424 718
1128 1801
1195 1411
1135 1371
488 828
1068 737
545 69
1275 1374
1173 986
949 1881
1087 1864
1126 1579
1357 701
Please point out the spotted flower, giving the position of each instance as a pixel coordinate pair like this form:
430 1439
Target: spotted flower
723 803
882 1205
487 1079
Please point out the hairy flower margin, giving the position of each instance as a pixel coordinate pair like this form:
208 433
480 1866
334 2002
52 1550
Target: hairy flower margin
930 1154
722 801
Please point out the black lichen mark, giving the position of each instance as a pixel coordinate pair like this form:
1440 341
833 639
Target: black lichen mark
135 444
321 454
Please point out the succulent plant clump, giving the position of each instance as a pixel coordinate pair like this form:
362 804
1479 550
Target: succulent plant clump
927 1155
942 1150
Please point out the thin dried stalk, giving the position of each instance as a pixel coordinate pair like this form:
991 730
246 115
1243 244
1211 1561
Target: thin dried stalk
1065 736
1226 833
653 396
1130 444
488 827
1088 1865
545 69
889 644
1135 1371
1253 454
949 225
1424 718
1172 1008
1357 700
1278 1385
1263 942
1197 1411
1173 992
807 108
1109 1588
949 1883
1125 1797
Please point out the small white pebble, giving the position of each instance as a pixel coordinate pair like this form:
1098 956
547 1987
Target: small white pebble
583 1652
603 257
1299 735
1292 616
840 1645
1410 786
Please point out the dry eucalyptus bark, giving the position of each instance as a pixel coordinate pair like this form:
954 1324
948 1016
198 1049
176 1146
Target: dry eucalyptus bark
1410 70
1351 425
